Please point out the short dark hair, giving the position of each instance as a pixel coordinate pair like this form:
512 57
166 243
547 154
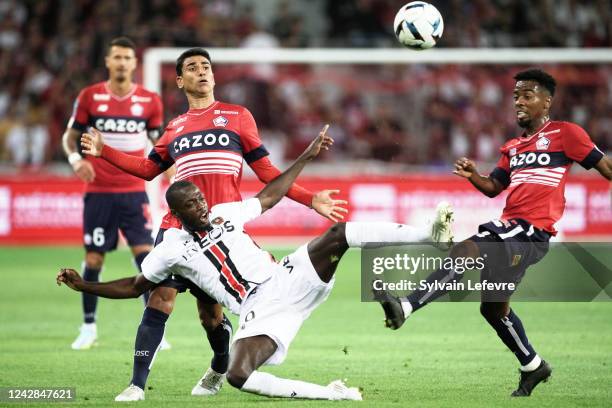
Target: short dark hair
192 52
176 192
121 42
543 78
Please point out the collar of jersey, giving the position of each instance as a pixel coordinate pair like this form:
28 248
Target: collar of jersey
526 139
117 97
202 110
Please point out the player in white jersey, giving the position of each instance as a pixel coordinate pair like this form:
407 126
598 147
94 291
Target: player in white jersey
273 299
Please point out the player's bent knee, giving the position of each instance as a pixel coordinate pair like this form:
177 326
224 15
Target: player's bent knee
492 311
94 260
211 316
162 299
336 234
237 376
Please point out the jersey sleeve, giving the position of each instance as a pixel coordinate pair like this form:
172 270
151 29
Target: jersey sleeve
579 147
156 119
501 172
159 154
266 172
80 115
154 267
252 147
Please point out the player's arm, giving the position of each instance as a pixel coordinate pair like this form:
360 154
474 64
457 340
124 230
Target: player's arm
124 288
321 201
275 190
70 139
604 167
92 143
489 186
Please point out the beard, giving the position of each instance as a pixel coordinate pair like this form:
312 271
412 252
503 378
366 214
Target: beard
524 122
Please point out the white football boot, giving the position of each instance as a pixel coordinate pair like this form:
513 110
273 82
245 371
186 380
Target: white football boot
442 226
87 338
343 392
209 384
131 393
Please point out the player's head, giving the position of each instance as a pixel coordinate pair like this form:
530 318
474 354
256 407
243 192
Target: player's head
121 59
187 203
533 95
194 72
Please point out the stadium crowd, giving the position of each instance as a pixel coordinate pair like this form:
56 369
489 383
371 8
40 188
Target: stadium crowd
407 114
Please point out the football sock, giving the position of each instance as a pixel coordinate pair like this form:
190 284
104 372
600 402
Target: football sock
138 261
148 338
90 302
421 297
510 330
377 234
219 340
272 386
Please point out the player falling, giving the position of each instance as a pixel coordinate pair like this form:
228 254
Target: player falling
273 299
533 168
208 144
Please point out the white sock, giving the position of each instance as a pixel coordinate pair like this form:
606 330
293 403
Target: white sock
271 386
407 308
533 364
358 234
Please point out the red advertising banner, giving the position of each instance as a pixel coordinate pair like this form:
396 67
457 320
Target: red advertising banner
48 210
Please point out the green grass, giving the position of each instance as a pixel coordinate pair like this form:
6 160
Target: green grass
446 355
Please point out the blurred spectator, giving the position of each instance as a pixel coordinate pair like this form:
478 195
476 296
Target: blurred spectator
412 114
28 138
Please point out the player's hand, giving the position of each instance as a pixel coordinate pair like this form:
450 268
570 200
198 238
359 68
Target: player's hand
84 170
92 142
464 167
322 141
324 204
70 278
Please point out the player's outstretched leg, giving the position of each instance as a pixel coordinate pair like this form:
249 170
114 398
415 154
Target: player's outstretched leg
250 353
88 332
140 252
148 339
398 309
219 333
510 330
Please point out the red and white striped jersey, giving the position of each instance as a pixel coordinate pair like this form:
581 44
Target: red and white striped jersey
534 169
124 122
208 146
224 261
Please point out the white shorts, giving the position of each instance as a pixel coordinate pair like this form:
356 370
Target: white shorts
281 304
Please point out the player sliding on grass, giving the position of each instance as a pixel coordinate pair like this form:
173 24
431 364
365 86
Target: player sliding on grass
273 299
533 167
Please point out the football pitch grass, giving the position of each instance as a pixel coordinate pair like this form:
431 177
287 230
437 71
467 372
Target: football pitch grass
446 355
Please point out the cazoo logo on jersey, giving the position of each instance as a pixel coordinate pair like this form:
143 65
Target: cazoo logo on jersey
530 159
120 125
194 141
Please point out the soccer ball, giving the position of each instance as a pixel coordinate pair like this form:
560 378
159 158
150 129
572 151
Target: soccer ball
418 25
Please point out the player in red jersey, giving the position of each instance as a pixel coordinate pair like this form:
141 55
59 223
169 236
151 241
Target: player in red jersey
127 114
533 168
208 145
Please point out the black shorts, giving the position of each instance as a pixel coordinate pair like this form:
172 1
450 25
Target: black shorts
509 248
104 214
182 284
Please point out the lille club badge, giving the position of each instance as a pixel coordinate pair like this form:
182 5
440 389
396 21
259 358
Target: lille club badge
220 121
542 143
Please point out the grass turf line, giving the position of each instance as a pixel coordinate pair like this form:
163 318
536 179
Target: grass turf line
446 355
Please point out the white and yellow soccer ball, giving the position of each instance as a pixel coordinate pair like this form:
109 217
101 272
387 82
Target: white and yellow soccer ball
418 25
